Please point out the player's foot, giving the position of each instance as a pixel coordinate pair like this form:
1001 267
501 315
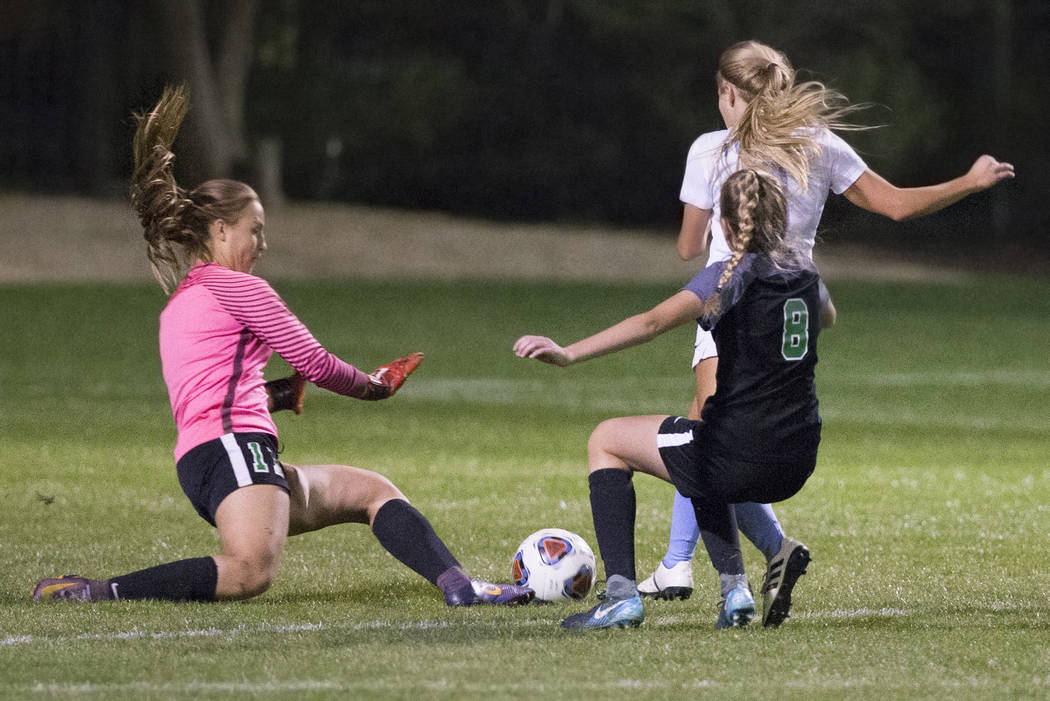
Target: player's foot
782 573
460 590
625 613
737 608
670 584
69 587
501 594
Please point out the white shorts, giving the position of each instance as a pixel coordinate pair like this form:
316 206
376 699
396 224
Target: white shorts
704 347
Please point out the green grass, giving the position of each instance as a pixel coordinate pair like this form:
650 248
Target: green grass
928 516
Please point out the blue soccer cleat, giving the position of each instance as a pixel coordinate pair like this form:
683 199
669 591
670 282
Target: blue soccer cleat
737 608
625 613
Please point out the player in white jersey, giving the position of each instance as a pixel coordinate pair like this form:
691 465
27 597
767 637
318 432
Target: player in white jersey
784 128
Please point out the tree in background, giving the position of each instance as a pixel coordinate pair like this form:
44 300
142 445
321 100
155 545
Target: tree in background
211 47
524 109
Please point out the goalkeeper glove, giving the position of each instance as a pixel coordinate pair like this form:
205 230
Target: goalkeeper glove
286 393
387 379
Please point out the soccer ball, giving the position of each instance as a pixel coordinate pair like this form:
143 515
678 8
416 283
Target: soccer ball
557 564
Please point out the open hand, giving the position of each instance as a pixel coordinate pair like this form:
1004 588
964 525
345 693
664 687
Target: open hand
542 349
986 171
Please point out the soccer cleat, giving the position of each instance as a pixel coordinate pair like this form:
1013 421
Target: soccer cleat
501 594
737 608
625 613
69 587
461 590
782 573
670 584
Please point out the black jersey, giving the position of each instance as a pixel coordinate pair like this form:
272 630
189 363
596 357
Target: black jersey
765 404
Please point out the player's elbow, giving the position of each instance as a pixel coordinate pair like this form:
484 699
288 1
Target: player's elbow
901 206
687 252
652 324
899 214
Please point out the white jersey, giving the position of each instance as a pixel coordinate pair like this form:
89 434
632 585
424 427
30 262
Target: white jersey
708 165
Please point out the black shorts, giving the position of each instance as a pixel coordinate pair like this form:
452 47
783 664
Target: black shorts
212 471
700 468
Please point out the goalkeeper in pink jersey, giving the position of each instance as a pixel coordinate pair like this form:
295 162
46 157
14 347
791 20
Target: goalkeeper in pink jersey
217 333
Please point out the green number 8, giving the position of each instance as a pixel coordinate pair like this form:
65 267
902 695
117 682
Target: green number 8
796 329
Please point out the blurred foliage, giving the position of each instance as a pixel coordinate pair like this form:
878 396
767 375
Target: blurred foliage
540 109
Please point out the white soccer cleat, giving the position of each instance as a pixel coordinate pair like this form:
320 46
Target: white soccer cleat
669 584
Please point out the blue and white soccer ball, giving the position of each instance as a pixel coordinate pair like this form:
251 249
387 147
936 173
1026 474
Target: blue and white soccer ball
557 564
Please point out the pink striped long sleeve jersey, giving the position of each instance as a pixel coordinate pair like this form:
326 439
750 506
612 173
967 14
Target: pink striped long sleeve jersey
217 333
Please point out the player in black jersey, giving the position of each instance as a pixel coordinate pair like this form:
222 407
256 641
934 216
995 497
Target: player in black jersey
758 434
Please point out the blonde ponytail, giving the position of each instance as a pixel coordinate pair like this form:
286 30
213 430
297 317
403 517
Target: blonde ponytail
777 127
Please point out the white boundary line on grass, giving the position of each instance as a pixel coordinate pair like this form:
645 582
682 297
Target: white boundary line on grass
13 640
533 687
17 640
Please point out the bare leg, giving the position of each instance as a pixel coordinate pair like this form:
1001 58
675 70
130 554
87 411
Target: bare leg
326 495
253 526
617 448
705 372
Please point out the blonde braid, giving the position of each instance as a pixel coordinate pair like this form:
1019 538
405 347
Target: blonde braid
755 209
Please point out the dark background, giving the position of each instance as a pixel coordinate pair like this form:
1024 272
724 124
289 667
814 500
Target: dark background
556 110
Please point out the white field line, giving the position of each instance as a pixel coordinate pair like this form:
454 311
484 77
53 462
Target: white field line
294 628
555 689
560 687
1032 379
566 391
532 688
664 394
498 390
15 640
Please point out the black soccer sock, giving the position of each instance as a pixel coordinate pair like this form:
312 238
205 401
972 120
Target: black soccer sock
184 580
718 529
612 508
407 535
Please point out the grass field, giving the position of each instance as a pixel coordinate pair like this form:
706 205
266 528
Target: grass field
928 517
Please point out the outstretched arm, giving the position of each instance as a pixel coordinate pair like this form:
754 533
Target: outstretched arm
875 194
635 330
692 237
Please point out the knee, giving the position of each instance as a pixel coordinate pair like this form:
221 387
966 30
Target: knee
600 446
382 491
367 491
250 576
